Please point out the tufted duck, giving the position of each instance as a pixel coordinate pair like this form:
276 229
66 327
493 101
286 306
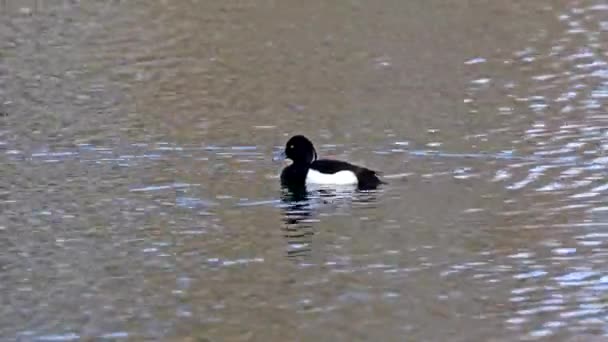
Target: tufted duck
307 170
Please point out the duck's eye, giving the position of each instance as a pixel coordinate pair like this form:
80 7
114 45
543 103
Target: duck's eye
290 146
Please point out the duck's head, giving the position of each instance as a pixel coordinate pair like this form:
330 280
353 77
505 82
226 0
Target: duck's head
300 150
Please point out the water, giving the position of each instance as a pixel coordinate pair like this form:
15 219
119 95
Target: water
140 199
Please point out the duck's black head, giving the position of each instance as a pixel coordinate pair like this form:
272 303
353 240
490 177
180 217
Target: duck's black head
300 150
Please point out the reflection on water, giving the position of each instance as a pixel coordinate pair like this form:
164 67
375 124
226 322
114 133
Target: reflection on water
553 106
139 199
302 208
299 222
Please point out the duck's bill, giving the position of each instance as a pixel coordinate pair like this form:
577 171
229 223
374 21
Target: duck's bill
279 156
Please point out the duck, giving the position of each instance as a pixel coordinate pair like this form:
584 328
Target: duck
307 170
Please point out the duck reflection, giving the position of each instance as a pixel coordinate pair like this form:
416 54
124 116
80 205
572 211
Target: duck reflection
298 228
302 206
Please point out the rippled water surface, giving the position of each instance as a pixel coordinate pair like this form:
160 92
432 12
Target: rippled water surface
139 198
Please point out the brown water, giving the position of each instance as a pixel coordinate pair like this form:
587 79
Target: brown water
139 198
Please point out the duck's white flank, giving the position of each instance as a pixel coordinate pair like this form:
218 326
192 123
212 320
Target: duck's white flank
339 178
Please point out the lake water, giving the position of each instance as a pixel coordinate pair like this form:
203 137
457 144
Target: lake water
139 199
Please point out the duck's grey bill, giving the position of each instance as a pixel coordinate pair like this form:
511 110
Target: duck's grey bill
279 156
